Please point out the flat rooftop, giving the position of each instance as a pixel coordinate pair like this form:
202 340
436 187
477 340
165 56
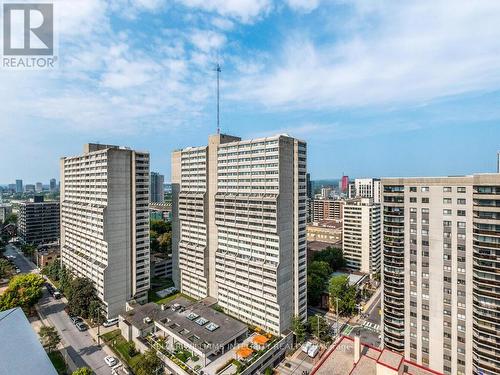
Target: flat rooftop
22 353
339 360
196 322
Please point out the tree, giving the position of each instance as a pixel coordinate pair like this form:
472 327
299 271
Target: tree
83 371
165 242
53 271
298 329
149 364
333 256
160 226
64 280
80 296
318 327
23 291
5 267
49 338
318 274
346 294
28 250
11 219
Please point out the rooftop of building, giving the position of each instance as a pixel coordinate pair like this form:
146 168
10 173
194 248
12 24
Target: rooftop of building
22 353
355 277
339 360
196 321
331 224
317 245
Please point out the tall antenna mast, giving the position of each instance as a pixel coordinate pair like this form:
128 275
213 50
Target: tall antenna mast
218 70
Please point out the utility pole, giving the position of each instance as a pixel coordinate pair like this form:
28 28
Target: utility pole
337 315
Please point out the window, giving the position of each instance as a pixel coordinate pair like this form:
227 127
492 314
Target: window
424 189
461 224
447 200
461 201
447 223
413 189
425 200
413 199
425 210
461 190
413 210
461 212
446 212
447 189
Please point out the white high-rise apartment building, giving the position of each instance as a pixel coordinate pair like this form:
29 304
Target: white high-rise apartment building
105 222
366 188
441 271
239 227
361 239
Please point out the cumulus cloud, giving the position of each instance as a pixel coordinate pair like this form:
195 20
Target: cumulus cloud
243 10
411 52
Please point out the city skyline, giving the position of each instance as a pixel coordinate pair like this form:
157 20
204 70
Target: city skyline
308 69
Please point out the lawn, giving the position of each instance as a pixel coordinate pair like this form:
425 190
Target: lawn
152 297
58 361
122 347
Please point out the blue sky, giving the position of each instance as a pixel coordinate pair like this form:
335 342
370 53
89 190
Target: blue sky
376 88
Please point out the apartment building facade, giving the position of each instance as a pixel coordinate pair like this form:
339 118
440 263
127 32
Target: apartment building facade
326 209
239 227
440 290
38 221
366 188
361 238
105 222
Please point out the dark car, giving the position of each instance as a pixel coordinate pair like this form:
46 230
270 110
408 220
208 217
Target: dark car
82 326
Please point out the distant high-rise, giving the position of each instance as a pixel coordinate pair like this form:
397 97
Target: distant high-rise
105 222
29 188
367 188
38 187
239 227
498 162
440 293
53 185
38 221
156 188
361 239
309 186
19 186
326 209
344 184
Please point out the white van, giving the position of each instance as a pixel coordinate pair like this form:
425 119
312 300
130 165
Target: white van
110 322
313 350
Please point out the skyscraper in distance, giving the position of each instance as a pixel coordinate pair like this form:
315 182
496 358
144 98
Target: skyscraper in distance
239 226
53 185
105 222
19 186
344 184
156 188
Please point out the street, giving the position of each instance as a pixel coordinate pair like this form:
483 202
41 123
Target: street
79 345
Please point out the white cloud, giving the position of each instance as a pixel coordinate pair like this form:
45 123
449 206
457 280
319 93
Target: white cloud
206 40
303 5
242 10
412 51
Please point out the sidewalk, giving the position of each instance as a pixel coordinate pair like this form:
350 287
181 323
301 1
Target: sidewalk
62 347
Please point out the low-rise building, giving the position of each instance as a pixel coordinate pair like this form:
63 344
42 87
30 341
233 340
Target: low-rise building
161 265
47 254
329 231
216 342
348 356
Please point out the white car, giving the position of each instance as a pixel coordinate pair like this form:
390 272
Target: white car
110 361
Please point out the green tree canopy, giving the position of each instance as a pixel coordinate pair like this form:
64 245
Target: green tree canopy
82 371
160 226
318 273
331 255
165 242
23 291
81 296
5 267
149 364
318 327
299 329
49 338
339 288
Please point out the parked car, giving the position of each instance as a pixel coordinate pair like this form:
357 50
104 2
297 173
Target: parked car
57 294
313 350
81 326
110 322
110 361
76 319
